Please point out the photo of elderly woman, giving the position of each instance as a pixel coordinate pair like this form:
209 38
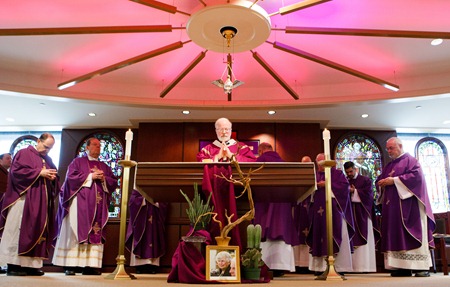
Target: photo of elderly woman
221 264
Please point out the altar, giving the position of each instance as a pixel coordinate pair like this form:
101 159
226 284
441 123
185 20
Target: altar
275 182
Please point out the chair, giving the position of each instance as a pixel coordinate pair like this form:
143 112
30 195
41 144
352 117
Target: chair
442 241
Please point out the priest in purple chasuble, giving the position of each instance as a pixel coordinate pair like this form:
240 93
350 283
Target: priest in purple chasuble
367 233
279 231
83 212
145 233
27 215
407 220
221 150
343 226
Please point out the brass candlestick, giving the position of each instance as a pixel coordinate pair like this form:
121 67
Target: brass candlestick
330 272
120 272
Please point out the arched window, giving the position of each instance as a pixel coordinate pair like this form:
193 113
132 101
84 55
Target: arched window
363 151
111 151
22 142
433 158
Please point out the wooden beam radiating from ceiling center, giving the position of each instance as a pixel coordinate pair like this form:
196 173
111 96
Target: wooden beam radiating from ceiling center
297 6
274 74
183 74
85 30
367 32
160 6
334 65
122 64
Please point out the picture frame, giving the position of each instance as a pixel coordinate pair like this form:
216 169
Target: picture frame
223 264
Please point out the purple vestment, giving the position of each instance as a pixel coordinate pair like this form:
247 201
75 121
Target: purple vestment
363 210
223 197
145 231
276 219
341 209
400 224
92 202
37 229
242 152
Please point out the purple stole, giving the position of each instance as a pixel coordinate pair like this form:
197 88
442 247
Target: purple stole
341 209
363 210
35 239
145 231
93 202
400 224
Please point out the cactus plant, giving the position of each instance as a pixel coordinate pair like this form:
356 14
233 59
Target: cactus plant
252 258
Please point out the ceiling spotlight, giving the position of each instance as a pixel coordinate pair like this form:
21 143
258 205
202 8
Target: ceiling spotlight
436 42
271 112
364 116
186 112
9 119
418 107
447 122
92 114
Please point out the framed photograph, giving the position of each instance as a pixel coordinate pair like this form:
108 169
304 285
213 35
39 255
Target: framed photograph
222 263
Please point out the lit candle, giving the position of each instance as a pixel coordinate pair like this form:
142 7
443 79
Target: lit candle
128 139
326 143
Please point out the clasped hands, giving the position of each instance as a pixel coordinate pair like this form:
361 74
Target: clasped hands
224 153
48 173
386 181
97 174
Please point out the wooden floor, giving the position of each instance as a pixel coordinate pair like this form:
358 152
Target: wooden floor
58 279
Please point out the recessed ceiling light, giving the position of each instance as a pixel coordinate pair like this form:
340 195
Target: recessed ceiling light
271 112
436 42
447 122
418 107
9 119
42 104
186 112
364 116
92 114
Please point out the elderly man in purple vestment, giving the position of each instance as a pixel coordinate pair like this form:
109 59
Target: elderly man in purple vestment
279 232
27 216
222 150
366 232
145 233
343 226
407 220
83 212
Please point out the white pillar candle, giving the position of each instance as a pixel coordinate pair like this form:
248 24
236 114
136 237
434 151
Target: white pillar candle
326 143
128 140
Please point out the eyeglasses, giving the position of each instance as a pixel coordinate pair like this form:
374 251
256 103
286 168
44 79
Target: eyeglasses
224 130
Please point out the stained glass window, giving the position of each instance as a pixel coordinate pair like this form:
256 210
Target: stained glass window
363 151
111 151
23 142
432 156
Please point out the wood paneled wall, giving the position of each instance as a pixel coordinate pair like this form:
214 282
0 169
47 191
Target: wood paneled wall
179 142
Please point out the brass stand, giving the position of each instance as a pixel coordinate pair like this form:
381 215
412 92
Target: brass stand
120 272
330 272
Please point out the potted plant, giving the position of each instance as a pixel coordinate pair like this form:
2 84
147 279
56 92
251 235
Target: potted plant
198 212
252 258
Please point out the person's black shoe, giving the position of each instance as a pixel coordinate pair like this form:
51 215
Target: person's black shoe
15 270
147 269
401 273
33 271
318 273
423 274
2 271
277 273
69 271
91 271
